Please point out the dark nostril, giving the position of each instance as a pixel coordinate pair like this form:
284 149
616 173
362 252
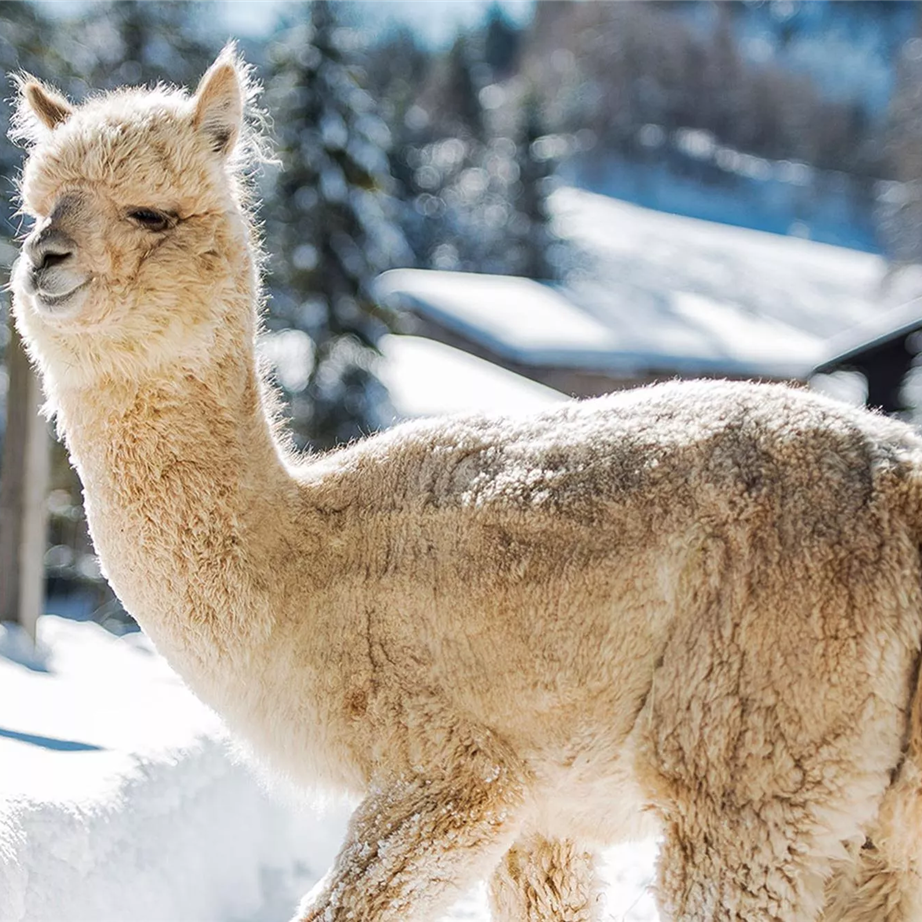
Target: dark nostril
49 247
52 259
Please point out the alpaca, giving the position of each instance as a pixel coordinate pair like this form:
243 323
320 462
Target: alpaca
692 609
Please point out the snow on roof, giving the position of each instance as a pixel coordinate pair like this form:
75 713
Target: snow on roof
885 326
691 333
426 378
660 293
677 331
813 287
516 317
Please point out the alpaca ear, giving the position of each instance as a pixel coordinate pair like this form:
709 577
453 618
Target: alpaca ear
219 102
49 107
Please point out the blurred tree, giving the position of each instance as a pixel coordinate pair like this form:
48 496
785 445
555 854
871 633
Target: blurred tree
500 43
130 43
452 97
724 79
331 228
397 66
901 206
618 67
536 154
23 47
476 167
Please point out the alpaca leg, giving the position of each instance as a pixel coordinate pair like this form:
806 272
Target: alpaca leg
883 880
741 869
541 880
415 846
763 747
874 888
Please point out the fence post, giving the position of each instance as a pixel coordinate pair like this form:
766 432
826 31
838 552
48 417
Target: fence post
23 487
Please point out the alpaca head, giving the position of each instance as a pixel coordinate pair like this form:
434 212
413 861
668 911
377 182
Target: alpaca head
139 255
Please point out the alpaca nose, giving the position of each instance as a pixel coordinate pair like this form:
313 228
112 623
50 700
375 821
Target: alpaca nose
49 247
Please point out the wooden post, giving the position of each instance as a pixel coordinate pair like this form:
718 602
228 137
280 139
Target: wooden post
23 487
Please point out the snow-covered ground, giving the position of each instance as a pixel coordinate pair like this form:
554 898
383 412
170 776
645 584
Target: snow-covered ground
120 798
426 378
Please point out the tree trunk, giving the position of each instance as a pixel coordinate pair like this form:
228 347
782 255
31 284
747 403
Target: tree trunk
23 487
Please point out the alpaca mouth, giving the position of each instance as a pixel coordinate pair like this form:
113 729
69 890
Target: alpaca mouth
58 299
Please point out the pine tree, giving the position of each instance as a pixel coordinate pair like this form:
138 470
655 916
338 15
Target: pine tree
331 230
397 66
500 43
117 44
535 157
451 96
22 48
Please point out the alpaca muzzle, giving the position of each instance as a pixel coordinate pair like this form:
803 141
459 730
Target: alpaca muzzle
47 271
48 247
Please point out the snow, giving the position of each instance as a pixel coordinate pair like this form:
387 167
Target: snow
423 377
517 317
121 799
658 294
812 287
426 378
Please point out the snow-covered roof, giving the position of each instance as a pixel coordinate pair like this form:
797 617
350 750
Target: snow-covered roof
641 254
693 333
583 327
516 317
427 378
876 331
661 294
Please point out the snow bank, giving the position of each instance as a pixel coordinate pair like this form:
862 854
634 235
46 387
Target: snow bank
119 799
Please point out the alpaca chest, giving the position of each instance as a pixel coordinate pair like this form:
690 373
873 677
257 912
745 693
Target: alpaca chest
598 801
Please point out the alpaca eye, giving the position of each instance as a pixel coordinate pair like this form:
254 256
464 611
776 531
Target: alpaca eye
150 219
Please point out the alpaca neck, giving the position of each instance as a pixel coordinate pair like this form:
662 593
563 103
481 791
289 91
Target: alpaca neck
184 484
